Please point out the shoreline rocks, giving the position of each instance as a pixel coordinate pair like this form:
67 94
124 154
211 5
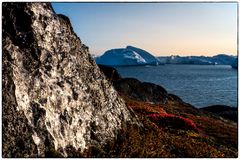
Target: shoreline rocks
227 112
133 88
152 93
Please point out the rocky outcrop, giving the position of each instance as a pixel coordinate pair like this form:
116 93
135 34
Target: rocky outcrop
224 111
111 73
135 89
174 97
54 95
142 91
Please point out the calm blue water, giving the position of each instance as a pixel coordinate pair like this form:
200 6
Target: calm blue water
200 85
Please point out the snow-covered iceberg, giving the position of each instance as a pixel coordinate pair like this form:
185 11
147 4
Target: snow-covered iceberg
129 56
220 59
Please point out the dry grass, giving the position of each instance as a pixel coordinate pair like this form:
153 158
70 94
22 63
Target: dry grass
172 135
169 133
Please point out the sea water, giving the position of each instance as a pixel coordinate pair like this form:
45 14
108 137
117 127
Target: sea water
199 85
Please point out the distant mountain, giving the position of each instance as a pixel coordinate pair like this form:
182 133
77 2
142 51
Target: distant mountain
129 56
224 59
235 64
220 59
185 60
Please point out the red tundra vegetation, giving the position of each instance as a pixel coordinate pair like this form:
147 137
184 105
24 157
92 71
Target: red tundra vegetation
174 121
182 132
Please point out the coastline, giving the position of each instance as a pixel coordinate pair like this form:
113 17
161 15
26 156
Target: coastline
58 103
156 94
193 83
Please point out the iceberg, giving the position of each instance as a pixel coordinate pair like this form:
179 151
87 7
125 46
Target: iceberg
129 56
220 59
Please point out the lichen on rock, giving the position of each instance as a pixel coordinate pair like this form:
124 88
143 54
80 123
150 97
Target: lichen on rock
55 86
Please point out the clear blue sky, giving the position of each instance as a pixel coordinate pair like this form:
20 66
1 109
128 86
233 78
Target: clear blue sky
160 28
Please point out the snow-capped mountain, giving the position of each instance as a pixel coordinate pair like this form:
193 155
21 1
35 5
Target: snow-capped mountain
220 59
128 56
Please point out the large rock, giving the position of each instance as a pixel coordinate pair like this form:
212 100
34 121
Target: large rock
54 95
135 89
110 72
224 111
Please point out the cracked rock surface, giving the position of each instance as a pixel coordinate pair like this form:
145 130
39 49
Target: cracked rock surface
54 95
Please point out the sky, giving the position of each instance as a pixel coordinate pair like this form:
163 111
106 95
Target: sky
163 29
